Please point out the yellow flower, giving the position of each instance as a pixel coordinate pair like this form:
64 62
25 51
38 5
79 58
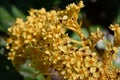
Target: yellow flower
42 39
116 29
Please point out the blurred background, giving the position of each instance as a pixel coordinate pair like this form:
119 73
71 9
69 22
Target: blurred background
96 13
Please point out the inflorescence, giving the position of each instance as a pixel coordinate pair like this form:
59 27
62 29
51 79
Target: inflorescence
42 39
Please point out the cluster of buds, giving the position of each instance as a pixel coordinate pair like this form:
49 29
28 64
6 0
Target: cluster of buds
43 41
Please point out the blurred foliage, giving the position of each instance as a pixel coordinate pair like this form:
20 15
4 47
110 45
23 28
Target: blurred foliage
117 20
12 9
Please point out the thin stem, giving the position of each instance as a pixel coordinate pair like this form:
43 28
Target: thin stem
75 41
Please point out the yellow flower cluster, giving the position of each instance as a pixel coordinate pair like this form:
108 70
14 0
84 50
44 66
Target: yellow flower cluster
116 29
42 39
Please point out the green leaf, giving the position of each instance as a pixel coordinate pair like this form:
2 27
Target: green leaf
93 28
17 13
117 20
28 72
75 36
40 77
6 19
85 32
